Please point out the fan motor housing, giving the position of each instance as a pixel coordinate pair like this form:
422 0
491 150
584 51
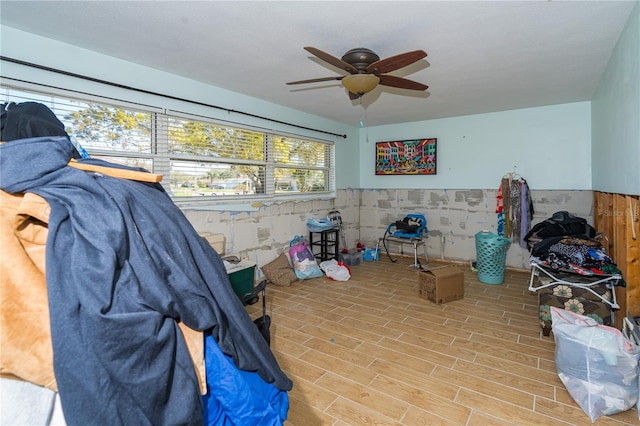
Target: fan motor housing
360 58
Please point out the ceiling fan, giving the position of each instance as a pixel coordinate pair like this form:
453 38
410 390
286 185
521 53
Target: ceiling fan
366 70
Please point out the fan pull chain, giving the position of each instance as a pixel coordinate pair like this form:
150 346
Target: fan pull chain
363 121
363 118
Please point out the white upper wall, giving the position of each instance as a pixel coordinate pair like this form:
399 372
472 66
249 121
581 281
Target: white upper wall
616 117
549 146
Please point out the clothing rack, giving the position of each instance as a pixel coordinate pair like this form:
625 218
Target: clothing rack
514 207
512 175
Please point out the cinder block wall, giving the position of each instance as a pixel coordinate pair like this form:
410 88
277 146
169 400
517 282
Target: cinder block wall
261 234
454 217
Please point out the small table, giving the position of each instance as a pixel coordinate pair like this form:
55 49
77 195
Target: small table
327 243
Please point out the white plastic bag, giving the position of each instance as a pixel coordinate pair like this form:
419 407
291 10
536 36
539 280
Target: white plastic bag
303 260
632 333
596 363
335 270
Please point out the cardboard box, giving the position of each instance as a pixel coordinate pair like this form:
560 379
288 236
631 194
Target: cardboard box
353 258
217 241
441 285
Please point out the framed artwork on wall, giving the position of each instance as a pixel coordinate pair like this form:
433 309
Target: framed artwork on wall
408 157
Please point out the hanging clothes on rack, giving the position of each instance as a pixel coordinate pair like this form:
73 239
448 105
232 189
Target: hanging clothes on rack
500 211
514 208
504 186
526 212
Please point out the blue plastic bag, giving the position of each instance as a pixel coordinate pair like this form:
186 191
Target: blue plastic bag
317 225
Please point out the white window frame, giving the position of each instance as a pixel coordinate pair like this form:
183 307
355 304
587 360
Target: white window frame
162 159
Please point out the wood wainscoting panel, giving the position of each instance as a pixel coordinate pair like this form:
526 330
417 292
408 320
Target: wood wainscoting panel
617 218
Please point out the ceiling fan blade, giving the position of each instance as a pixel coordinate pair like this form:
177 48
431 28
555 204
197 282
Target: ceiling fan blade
396 62
338 63
316 80
402 83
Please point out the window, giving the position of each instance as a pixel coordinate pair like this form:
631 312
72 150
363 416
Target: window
300 166
199 158
212 160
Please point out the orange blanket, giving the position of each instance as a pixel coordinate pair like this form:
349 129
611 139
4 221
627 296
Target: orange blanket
25 339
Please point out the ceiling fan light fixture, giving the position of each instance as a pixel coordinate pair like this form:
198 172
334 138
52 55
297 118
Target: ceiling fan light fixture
360 83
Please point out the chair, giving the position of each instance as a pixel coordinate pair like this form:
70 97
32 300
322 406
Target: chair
410 230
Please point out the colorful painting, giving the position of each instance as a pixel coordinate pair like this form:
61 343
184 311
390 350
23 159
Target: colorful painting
410 157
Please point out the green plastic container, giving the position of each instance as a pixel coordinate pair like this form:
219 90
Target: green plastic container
242 278
491 252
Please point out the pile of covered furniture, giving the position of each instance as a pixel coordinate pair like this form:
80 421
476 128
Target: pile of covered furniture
570 269
135 320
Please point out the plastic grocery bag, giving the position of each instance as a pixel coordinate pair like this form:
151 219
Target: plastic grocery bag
318 225
335 270
632 333
304 262
597 364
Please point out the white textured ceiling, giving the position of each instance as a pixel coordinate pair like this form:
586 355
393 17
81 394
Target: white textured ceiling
482 56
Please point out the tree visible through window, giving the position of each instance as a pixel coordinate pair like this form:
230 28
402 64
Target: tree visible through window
300 165
198 158
226 160
110 128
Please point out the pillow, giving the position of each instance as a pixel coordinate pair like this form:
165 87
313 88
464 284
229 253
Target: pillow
279 271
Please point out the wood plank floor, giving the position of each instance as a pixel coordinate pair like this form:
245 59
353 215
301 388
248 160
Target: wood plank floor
369 351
